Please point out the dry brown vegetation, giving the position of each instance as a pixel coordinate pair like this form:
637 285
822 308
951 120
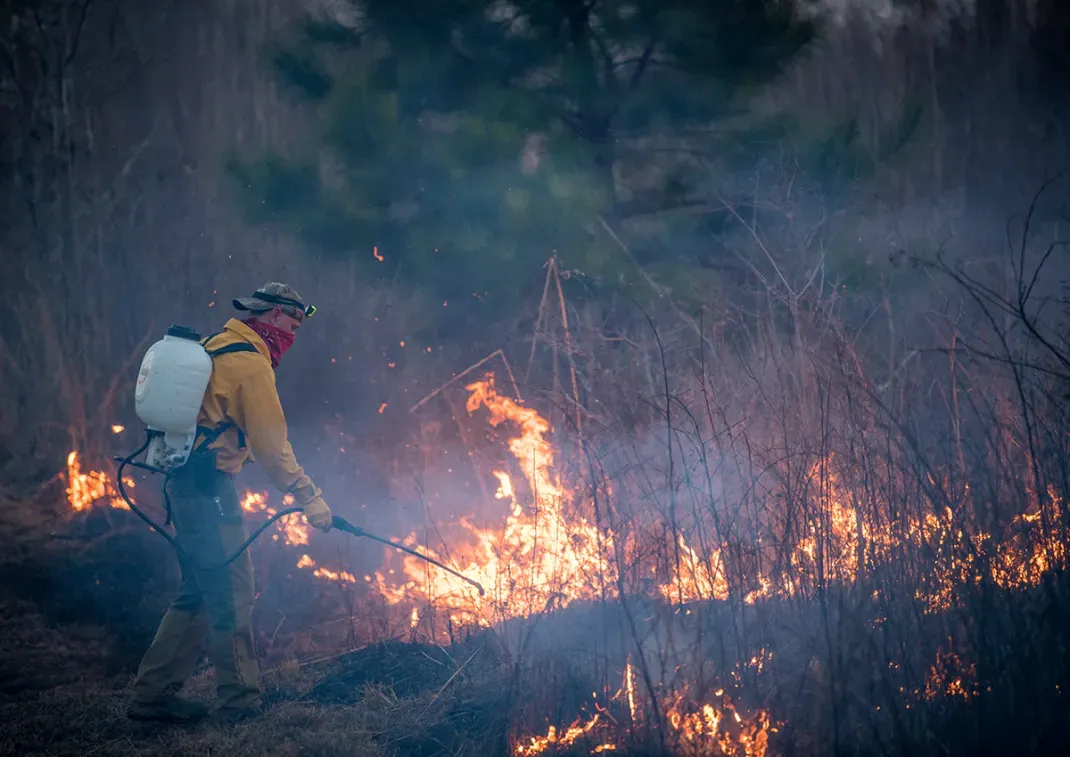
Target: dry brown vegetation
842 504
866 545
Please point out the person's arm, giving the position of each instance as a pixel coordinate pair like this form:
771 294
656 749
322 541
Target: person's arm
258 412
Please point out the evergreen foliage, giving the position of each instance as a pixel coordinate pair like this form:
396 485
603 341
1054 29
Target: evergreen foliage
466 141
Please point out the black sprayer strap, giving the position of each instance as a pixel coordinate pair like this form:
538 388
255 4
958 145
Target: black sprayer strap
227 350
235 347
211 434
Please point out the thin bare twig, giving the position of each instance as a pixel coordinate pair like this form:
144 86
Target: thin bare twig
465 372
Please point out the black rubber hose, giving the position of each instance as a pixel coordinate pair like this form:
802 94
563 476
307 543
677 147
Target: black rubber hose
171 540
133 508
337 522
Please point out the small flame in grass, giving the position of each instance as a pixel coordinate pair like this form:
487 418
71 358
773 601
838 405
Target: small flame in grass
697 578
294 531
540 744
117 429
85 489
950 677
342 576
696 727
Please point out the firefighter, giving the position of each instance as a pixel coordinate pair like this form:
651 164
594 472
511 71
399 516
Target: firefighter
240 420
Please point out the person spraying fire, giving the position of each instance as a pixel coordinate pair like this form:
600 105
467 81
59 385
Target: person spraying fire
240 420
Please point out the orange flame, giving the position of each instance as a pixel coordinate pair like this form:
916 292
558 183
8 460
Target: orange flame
342 576
539 744
698 728
547 554
86 489
294 531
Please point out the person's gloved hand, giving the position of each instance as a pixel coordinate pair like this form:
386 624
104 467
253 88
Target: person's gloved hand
318 514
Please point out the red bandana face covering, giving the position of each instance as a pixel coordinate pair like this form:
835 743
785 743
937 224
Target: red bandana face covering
277 340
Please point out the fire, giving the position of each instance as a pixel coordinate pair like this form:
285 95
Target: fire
341 576
950 677
86 489
254 502
705 729
547 554
294 531
539 744
697 578
839 544
629 691
695 727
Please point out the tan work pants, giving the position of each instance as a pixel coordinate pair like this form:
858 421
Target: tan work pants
212 602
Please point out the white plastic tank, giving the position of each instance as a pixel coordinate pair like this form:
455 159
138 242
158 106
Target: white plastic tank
170 389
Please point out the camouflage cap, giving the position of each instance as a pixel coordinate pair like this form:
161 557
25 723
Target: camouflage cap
273 295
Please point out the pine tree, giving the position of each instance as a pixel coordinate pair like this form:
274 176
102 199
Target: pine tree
466 141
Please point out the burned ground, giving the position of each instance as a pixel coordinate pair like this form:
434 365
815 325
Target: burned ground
78 611
80 599
65 687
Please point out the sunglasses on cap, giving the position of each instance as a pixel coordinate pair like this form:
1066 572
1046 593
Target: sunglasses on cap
306 310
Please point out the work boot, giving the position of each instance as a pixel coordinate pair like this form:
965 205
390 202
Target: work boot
171 709
235 715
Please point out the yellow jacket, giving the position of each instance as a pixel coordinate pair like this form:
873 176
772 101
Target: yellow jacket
242 391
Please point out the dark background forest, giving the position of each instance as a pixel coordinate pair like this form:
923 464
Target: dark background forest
740 255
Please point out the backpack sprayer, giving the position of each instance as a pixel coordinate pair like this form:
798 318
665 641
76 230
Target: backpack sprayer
167 398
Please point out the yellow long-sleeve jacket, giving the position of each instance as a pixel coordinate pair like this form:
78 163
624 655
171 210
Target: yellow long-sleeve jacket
242 392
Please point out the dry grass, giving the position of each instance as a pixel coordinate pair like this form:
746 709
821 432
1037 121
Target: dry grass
58 697
76 619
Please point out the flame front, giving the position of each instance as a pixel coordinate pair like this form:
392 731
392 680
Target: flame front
547 554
